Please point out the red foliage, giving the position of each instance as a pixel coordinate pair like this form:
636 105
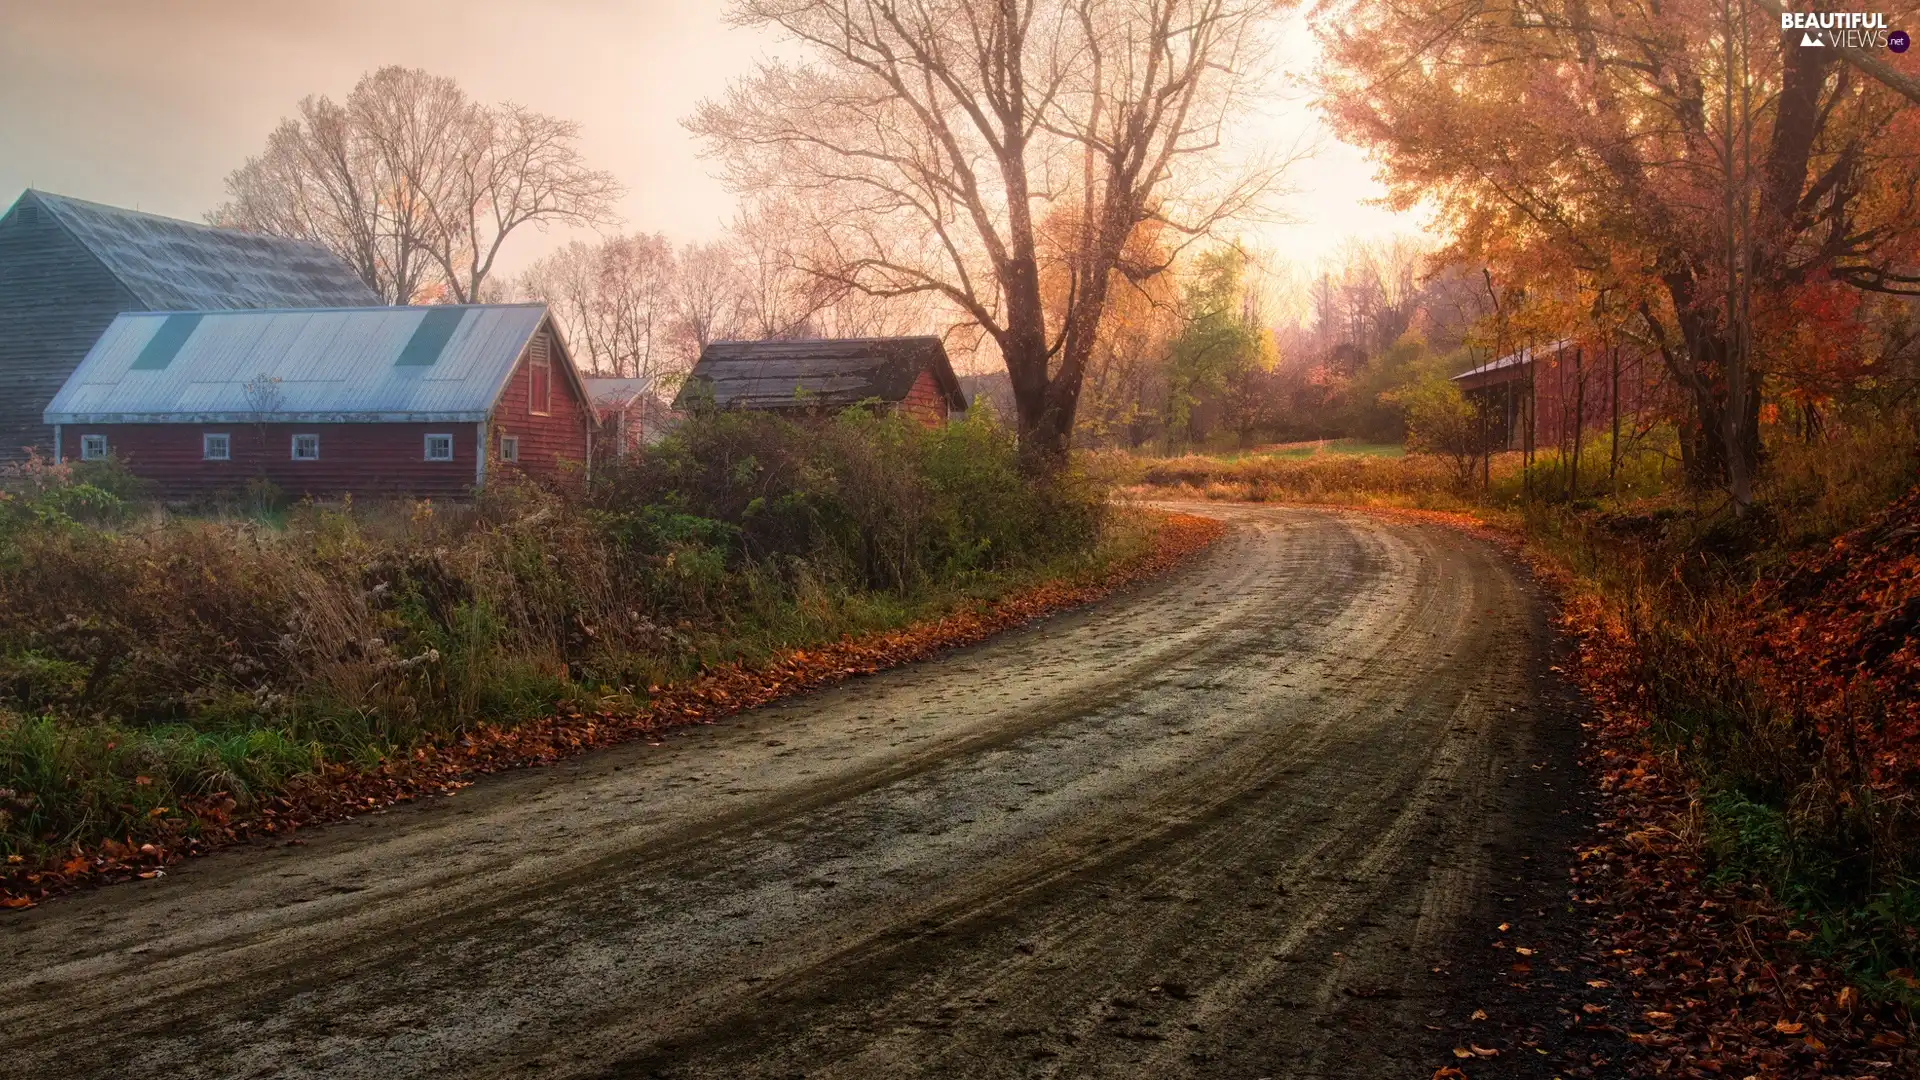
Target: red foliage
342 791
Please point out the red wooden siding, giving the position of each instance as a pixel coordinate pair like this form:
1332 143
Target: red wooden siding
924 401
553 445
378 460
1571 389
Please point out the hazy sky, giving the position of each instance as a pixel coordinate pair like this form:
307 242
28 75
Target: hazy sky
150 103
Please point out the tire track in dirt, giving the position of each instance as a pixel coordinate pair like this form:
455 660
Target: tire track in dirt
1200 829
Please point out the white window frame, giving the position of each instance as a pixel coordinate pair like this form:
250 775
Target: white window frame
93 447
207 443
298 456
427 451
510 448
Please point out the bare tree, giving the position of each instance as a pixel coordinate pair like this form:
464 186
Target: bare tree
778 295
706 294
413 184
616 300
321 178
516 167
932 135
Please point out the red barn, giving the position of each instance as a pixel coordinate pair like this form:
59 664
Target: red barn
1561 388
388 401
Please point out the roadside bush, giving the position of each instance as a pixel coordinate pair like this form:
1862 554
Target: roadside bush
864 501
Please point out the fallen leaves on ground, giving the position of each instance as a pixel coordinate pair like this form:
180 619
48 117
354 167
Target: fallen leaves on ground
1723 983
339 792
1838 636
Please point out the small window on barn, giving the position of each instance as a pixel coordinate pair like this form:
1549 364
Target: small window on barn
439 448
539 376
509 448
306 448
93 447
216 447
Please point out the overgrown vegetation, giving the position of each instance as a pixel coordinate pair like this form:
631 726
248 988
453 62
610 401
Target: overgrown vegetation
145 658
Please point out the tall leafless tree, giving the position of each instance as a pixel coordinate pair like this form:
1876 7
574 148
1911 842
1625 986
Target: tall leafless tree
931 136
414 185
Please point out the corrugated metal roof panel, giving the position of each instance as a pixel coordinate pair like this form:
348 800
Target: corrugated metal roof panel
173 265
300 364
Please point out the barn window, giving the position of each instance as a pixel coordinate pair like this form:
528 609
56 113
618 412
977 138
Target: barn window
93 447
439 448
216 447
540 376
306 448
509 448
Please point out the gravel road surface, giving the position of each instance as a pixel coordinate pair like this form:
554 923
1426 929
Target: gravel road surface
1225 825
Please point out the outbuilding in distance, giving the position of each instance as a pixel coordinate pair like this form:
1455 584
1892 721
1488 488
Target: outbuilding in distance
384 401
911 375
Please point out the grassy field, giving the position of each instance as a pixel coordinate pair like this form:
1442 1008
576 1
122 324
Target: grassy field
1323 447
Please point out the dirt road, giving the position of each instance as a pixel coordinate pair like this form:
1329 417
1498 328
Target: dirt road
1226 825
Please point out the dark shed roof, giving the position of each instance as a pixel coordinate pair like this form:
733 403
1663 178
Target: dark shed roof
171 265
1510 366
826 372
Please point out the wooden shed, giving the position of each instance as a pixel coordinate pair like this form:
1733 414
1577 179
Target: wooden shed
1560 388
67 267
384 401
908 374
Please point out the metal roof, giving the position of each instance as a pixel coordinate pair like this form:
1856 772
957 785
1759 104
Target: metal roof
828 372
445 363
172 265
1511 360
607 392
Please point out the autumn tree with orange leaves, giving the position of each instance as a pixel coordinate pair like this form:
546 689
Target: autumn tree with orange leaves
1687 161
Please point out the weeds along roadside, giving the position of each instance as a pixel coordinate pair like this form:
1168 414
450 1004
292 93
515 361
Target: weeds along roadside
150 659
1775 658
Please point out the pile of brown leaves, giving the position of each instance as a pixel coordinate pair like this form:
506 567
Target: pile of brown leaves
1839 637
1719 981
340 791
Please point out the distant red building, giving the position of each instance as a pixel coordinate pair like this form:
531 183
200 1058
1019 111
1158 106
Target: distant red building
392 401
1566 386
629 413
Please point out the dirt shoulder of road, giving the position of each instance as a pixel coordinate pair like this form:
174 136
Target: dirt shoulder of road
341 792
